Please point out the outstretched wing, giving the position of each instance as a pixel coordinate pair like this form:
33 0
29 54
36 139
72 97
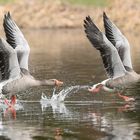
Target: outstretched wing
16 39
115 36
9 67
109 54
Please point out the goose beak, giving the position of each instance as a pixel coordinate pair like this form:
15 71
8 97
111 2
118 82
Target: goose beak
96 88
92 90
58 83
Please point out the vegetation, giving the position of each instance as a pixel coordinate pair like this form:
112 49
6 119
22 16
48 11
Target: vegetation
6 1
100 3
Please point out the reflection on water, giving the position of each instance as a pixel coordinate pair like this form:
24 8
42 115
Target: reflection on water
75 121
78 114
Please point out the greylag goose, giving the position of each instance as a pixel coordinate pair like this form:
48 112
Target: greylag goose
114 49
14 54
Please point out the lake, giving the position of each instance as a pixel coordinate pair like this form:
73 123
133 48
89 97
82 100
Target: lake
67 55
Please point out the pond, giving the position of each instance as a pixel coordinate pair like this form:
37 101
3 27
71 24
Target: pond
67 55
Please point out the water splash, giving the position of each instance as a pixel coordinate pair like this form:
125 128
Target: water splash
57 99
60 97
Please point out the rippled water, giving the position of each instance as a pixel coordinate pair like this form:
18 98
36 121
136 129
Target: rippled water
67 55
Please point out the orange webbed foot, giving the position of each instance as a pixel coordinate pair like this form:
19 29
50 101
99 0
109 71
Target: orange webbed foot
126 98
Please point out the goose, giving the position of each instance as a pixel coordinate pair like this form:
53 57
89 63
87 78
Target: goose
14 55
114 49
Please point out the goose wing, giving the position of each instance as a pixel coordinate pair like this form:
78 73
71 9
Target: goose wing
16 39
111 60
115 36
9 67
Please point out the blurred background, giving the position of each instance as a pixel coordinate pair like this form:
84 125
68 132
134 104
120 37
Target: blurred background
70 13
60 49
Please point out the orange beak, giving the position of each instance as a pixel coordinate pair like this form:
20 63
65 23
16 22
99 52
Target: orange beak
58 83
95 89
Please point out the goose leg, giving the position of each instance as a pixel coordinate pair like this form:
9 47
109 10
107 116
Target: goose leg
13 100
7 102
125 98
10 109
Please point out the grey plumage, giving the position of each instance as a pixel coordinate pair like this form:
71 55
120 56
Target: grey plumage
115 52
119 41
109 54
14 54
9 63
16 39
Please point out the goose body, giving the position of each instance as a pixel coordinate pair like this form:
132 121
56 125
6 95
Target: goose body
21 83
114 49
14 54
124 81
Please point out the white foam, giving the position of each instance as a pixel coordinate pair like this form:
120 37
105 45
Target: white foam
60 97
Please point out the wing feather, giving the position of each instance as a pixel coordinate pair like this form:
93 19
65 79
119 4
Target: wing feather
9 67
115 36
110 57
16 39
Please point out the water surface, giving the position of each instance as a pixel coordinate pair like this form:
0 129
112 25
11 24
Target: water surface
68 56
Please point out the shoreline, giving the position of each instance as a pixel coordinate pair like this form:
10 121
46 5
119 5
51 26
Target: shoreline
56 14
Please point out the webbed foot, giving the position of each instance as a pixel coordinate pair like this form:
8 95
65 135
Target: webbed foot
126 98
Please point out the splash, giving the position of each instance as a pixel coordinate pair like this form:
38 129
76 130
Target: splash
63 94
57 100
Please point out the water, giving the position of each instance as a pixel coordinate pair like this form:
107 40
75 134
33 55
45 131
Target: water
70 112
60 97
